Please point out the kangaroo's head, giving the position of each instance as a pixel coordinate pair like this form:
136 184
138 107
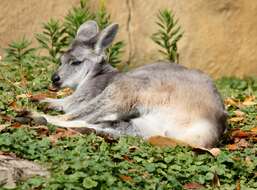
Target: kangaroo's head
85 55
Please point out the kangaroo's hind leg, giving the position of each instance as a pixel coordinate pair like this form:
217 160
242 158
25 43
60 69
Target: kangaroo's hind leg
115 129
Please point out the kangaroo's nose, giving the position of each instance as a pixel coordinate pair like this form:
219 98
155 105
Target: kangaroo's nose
55 78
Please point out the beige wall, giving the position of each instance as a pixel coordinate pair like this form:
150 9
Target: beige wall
220 35
20 18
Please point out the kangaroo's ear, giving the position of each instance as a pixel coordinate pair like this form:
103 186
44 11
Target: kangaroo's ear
87 31
106 37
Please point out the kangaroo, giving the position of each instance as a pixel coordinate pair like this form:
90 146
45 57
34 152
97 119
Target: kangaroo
162 98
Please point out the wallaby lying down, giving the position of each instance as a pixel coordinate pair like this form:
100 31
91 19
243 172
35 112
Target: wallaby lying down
163 98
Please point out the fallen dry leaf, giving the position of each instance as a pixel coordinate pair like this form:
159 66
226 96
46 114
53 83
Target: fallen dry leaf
243 143
28 95
41 96
127 158
2 127
239 144
16 125
241 139
53 93
165 141
5 117
132 170
38 97
239 134
214 151
249 101
61 133
145 175
232 102
236 119
42 130
133 148
243 134
193 185
65 92
126 178
11 154
60 130
20 110
13 105
232 147
239 113
254 129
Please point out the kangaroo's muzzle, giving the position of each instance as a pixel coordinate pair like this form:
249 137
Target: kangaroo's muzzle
56 80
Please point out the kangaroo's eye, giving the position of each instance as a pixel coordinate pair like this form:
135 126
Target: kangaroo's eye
76 62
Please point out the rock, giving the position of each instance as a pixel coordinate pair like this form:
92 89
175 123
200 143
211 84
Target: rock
22 120
14 169
39 121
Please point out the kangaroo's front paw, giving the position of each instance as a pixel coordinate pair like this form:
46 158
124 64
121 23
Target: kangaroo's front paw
46 100
55 107
67 117
52 104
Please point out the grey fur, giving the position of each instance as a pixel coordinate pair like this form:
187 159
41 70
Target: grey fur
116 103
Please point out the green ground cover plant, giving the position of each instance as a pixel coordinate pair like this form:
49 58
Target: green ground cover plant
88 161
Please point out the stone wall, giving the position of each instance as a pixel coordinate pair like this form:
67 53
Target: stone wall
20 18
220 36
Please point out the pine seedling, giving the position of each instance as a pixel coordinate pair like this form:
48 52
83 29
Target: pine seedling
20 53
76 17
53 39
168 35
103 19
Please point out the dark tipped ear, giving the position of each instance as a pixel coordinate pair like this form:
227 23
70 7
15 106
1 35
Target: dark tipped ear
106 37
87 31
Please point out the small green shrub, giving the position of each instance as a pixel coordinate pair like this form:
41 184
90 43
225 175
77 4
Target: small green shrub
114 53
18 51
53 39
75 17
168 34
116 49
20 54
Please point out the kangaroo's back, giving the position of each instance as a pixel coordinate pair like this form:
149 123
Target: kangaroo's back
173 101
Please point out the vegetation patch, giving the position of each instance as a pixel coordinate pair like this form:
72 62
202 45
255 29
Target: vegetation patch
87 161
